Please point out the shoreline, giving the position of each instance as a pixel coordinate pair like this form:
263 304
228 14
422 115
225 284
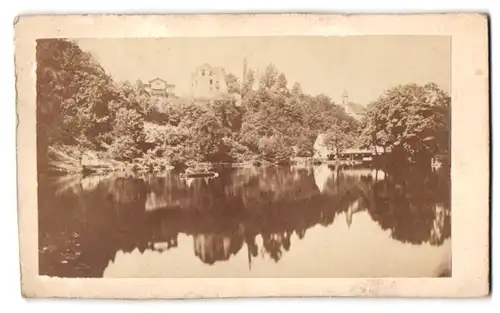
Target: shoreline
143 165
66 161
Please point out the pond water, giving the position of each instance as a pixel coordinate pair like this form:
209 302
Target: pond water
315 221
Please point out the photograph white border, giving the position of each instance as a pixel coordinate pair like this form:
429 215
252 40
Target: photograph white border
470 150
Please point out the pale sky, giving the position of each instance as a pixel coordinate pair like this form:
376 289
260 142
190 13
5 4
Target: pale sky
365 66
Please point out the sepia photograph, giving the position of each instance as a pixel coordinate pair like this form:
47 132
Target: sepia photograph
262 156
234 157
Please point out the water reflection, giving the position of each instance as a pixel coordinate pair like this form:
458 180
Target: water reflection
276 221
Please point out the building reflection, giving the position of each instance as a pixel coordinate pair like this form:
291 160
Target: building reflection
211 248
225 215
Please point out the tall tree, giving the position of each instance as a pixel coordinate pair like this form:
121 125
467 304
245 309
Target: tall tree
249 82
128 135
296 89
233 84
228 114
280 85
410 120
73 92
338 138
269 77
207 138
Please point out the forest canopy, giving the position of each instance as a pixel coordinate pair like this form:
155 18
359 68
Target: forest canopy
81 108
411 121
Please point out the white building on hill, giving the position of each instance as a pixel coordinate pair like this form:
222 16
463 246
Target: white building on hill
208 82
158 88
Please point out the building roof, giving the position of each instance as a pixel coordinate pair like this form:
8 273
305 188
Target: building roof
207 66
158 79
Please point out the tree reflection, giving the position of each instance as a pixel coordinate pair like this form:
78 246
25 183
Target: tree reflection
414 209
211 248
274 244
88 220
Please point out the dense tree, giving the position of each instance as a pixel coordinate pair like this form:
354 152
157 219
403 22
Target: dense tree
207 138
305 146
338 138
233 84
297 119
411 121
280 84
128 134
128 122
132 98
269 77
228 114
73 93
190 113
275 149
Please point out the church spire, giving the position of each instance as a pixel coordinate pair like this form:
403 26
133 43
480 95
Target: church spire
345 98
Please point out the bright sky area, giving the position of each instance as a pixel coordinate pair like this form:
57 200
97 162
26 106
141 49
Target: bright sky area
364 66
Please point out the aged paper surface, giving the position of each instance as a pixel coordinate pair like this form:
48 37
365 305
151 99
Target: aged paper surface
69 250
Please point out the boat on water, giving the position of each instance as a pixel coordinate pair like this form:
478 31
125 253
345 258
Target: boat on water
199 173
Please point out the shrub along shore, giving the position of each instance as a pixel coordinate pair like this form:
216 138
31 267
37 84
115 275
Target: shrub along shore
65 160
